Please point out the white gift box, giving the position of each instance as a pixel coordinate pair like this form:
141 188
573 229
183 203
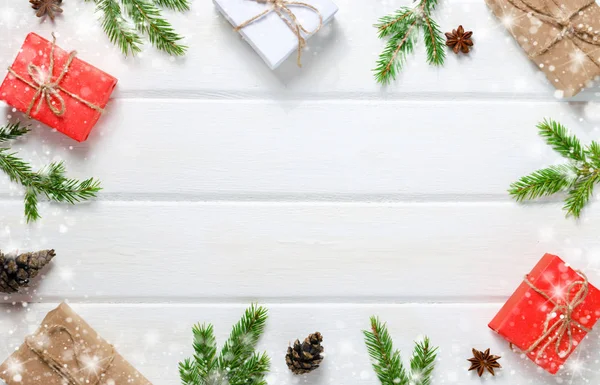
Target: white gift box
270 36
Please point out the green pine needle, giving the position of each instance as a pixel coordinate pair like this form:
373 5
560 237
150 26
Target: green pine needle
12 131
577 177
237 363
387 362
145 17
50 181
402 26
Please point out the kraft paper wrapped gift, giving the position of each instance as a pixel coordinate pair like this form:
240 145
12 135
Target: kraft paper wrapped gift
281 27
561 36
65 350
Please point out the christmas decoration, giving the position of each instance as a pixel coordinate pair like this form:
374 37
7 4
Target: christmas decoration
305 357
459 40
237 364
550 313
561 37
70 100
66 350
402 29
146 18
277 28
46 7
387 362
482 361
50 181
578 176
16 271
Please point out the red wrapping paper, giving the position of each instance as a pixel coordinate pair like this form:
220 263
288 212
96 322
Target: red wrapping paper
521 319
82 79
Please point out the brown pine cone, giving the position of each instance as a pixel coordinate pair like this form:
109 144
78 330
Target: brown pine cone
306 356
17 271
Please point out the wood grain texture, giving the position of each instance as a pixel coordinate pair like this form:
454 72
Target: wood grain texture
155 337
338 63
328 150
198 252
313 190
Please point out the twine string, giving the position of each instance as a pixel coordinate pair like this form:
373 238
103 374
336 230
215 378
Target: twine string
47 89
61 369
562 311
564 23
281 8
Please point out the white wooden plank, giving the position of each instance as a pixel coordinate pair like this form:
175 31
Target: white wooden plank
337 63
161 251
156 337
311 150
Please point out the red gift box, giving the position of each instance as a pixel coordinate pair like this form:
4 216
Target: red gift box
550 313
56 88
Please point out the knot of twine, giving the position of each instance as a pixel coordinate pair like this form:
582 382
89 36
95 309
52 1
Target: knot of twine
281 8
563 22
72 378
47 88
562 313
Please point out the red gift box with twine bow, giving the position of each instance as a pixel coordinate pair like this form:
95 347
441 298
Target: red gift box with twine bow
56 88
550 313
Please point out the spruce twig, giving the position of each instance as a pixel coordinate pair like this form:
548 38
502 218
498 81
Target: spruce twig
145 17
237 363
577 177
387 362
402 27
50 181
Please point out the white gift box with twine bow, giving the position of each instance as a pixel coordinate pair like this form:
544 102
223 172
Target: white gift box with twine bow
277 28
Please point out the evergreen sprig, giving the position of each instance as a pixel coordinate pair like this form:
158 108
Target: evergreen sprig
387 362
402 29
145 17
50 181
237 363
577 177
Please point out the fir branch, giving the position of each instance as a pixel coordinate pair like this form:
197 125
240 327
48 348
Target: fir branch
544 182
12 131
402 26
387 362
237 363
117 28
243 337
50 181
580 194
577 177
393 57
557 136
434 42
422 362
147 18
176 5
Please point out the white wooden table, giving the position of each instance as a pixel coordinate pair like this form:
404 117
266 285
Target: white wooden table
313 191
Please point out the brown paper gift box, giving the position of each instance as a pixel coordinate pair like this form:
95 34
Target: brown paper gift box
561 36
65 350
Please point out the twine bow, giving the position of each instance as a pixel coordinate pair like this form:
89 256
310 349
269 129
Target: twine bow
48 89
564 23
562 328
72 378
281 8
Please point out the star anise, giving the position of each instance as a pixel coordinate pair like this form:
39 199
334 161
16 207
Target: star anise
484 360
46 7
459 40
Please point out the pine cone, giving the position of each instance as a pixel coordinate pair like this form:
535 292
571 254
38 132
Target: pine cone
17 271
306 356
